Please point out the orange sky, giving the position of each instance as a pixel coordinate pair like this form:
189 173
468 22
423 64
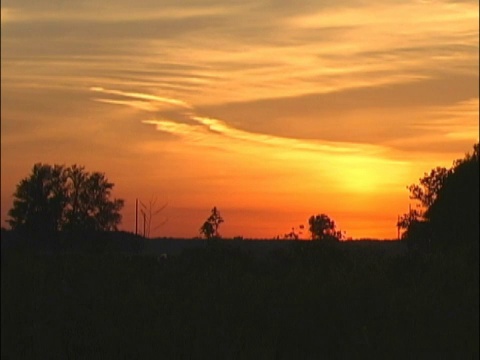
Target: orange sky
270 111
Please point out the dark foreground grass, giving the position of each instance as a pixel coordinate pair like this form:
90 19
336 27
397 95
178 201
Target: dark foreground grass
307 301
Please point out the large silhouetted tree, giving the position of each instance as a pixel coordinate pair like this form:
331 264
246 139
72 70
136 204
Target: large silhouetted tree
57 198
450 206
323 228
454 214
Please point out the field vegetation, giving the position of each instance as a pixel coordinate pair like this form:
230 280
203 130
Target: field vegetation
221 299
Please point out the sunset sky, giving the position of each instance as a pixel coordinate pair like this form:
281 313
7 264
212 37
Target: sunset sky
270 110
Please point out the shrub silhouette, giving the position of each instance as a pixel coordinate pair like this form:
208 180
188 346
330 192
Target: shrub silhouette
209 228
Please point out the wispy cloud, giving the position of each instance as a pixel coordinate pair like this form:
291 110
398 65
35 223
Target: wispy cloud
208 131
270 53
423 14
448 127
104 13
230 132
202 127
152 99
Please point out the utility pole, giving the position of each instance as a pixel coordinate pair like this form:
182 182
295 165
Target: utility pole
398 227
136 216
144 225
144 222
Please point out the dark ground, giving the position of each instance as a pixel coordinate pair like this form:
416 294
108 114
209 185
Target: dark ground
114 297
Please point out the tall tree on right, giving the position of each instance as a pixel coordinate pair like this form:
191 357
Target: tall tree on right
449 198
454 214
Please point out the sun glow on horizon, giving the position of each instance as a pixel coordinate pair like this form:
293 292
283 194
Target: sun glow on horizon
301 173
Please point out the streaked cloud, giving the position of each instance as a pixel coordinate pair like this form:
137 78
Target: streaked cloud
144 98
105 13
270 54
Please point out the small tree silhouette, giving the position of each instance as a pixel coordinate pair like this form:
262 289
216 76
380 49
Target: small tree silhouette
323 228
209 228
294 235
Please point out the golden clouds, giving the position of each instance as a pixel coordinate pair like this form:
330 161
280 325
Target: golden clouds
423 15
349 168
105 13
141 96
265 55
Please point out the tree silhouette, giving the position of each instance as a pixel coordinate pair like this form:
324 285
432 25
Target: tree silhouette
405 220
56 198
209 228
417 231
450 200
294 235
454 213
39 200
430 184
323 228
